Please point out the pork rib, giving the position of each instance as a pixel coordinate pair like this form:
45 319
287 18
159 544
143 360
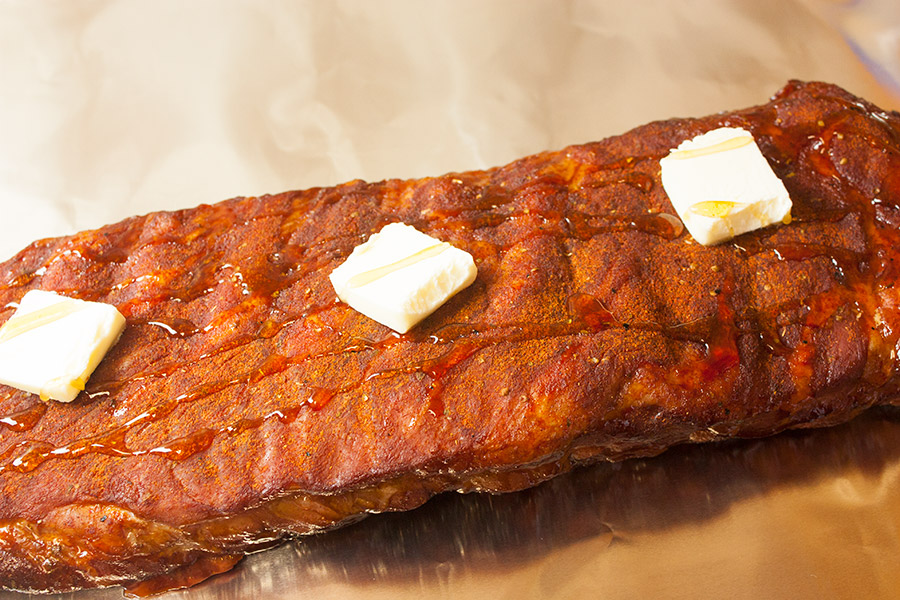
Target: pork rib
244 404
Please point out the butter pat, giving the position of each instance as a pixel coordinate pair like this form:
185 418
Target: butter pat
52 344
721 186
400 276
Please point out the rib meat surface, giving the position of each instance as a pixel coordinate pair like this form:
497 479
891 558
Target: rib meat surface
244 404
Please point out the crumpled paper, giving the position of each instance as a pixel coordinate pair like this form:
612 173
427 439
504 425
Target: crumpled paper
110 108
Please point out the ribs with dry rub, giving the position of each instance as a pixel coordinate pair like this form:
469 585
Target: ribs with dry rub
244 404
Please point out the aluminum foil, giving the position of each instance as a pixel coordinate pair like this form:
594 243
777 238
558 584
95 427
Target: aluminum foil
110 108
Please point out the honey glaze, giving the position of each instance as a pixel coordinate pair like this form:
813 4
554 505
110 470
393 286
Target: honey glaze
184 447
24 419
437 370
853 190
176 328
721 344
494 209
183 329
187 446
27 455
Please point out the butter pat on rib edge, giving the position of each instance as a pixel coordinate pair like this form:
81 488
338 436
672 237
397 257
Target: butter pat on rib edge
721 186
400 276
51 345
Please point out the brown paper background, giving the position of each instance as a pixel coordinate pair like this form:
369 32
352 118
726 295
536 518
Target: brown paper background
110 108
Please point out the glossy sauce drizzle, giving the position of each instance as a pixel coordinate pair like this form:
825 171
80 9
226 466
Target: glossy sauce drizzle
25 419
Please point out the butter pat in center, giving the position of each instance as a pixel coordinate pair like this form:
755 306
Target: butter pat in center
721 186
52 344
400 276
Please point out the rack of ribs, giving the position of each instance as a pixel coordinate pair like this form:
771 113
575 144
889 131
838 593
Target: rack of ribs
244 404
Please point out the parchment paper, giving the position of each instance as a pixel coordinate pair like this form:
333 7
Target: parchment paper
110 108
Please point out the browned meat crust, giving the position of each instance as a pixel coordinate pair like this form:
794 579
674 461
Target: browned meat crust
244 404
